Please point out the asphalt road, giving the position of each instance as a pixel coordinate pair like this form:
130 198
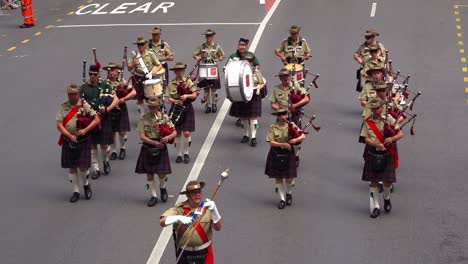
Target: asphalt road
328 222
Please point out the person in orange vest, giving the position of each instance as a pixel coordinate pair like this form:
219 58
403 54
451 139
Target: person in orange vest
27 12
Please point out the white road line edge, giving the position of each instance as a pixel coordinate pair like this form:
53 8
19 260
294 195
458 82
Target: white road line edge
372 12
162 24
166 233
262 2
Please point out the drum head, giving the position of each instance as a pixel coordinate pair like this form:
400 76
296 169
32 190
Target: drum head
296 67
239 81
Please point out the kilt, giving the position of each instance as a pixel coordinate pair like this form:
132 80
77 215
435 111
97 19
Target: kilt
105 136
253 108
215 84
82 159
290 172
143 166
186 121
369 174
123 124
139 87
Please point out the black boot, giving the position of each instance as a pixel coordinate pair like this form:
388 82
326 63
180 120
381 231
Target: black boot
164 194
87 191
186 158
178 159
245 139
113 156
214 108
288 199
253 142
122 154
387 205
281 204
375 213
107 167
152 201
75 197
207 109
96 175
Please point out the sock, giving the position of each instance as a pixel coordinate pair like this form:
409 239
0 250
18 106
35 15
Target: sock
162 183
123 141
94 160
289 187
189 139
253 128
84 177
178 145
104 155
281 191
75 182
374 201
245 125
152 187
215 99
386 192
185 145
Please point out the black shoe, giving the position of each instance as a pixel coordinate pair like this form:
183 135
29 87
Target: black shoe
152 201
75 197
281 204
107 167
179 159
297 161
96 175
375 213
238 122
113 156
122 154
245 139
207 109
87 191
26 26
186 158
253 142
164 195
288 199
387 205
214 108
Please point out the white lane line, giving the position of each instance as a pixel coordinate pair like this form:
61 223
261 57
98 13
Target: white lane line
262 2
166 233
162 24
372 12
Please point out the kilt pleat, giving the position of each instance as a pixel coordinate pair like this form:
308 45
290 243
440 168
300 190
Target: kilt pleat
252 108
82 159
186 121
105 135
162 166
369 174
290 172
123 124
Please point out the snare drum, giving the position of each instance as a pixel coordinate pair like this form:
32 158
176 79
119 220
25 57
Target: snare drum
153 87
160 74
208 71
298 68
239 81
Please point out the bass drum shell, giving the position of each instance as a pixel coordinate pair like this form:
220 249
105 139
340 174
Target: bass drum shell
153 87
239 81
208 71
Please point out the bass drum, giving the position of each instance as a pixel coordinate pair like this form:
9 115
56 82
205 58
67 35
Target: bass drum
239 81
153 87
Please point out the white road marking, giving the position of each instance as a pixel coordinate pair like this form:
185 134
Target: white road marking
262 2
372 12
166 233
162 24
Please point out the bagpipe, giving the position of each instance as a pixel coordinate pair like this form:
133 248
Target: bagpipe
397 105
122 88
165 130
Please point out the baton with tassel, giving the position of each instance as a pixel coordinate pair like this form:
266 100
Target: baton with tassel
224 175
96 62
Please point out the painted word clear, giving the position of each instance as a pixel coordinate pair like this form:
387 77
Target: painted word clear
124 8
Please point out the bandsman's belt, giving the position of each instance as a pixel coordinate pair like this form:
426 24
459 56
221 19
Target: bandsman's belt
203 246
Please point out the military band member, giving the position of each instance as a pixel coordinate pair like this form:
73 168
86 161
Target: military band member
209 52
119 115
162 50
100 95
242 51
181 92
250 111
294 48
382 159
373 62
281 161
198 244
144 64
74 139
154 157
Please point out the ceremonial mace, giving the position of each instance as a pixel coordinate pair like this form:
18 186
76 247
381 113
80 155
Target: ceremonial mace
224 175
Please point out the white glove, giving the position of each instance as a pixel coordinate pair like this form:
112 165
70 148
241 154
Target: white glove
149 75
210 205
172 219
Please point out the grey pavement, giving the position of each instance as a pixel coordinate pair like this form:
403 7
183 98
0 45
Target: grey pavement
328 221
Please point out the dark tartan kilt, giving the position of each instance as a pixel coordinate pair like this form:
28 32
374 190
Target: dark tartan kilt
143 166
216 84
387 175
252 108
186 121
291 172
139 87
70 160
105 135
123 124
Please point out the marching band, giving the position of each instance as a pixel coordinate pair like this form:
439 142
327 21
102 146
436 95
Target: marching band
97 114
